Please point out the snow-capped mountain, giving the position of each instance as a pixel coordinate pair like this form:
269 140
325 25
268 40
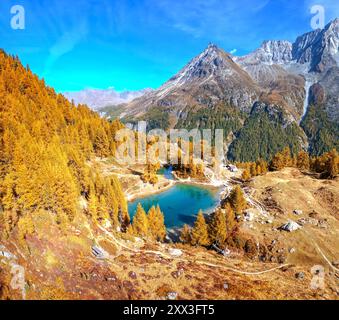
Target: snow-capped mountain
97 99
210 78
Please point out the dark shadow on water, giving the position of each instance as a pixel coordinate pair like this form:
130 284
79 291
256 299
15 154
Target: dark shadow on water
186 219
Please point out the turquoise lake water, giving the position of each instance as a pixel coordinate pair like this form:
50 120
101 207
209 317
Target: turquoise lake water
181 203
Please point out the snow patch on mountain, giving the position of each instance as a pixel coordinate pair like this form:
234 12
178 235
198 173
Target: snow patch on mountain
205 67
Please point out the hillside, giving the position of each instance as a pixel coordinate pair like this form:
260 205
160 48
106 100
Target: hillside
91 262
46 143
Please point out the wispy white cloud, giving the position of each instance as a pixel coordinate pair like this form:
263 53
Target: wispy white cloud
66 33
65 44
202 17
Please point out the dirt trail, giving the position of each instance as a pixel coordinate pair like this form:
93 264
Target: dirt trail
321 252
201 262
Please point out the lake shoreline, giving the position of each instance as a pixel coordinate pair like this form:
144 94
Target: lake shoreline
180 200
170 184
144 194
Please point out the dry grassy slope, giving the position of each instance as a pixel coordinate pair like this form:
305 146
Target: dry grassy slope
288 190
60 264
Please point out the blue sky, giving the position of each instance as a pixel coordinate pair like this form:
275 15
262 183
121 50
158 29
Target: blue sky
135 44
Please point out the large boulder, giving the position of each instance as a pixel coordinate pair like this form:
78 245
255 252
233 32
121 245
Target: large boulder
175 252
290 226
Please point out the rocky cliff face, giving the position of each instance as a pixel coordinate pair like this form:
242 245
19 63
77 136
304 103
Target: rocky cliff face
319 48
270 52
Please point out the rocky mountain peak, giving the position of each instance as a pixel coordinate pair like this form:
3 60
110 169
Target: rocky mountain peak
210 78
270 52
212 61
331 36
212 47
319 48
275 51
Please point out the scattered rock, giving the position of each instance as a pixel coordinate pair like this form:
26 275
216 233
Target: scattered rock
285 268
175 274
313 214
99 252
281 259
175 252
111 278
172 295
238 217
132 275
128 285
290 226
298 212
225 286
322 223
313 221
226 252
7 255
291 250
107 224
300 275
249 216
302 221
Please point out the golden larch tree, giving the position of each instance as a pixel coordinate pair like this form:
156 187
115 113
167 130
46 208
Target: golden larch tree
237 199
200 235
140 222
217 227
156 224
185 234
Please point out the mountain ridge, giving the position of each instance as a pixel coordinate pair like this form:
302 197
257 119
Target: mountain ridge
279 74
99 98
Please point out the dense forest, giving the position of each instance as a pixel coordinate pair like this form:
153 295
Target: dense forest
264 133
220 117
322 133
46 147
